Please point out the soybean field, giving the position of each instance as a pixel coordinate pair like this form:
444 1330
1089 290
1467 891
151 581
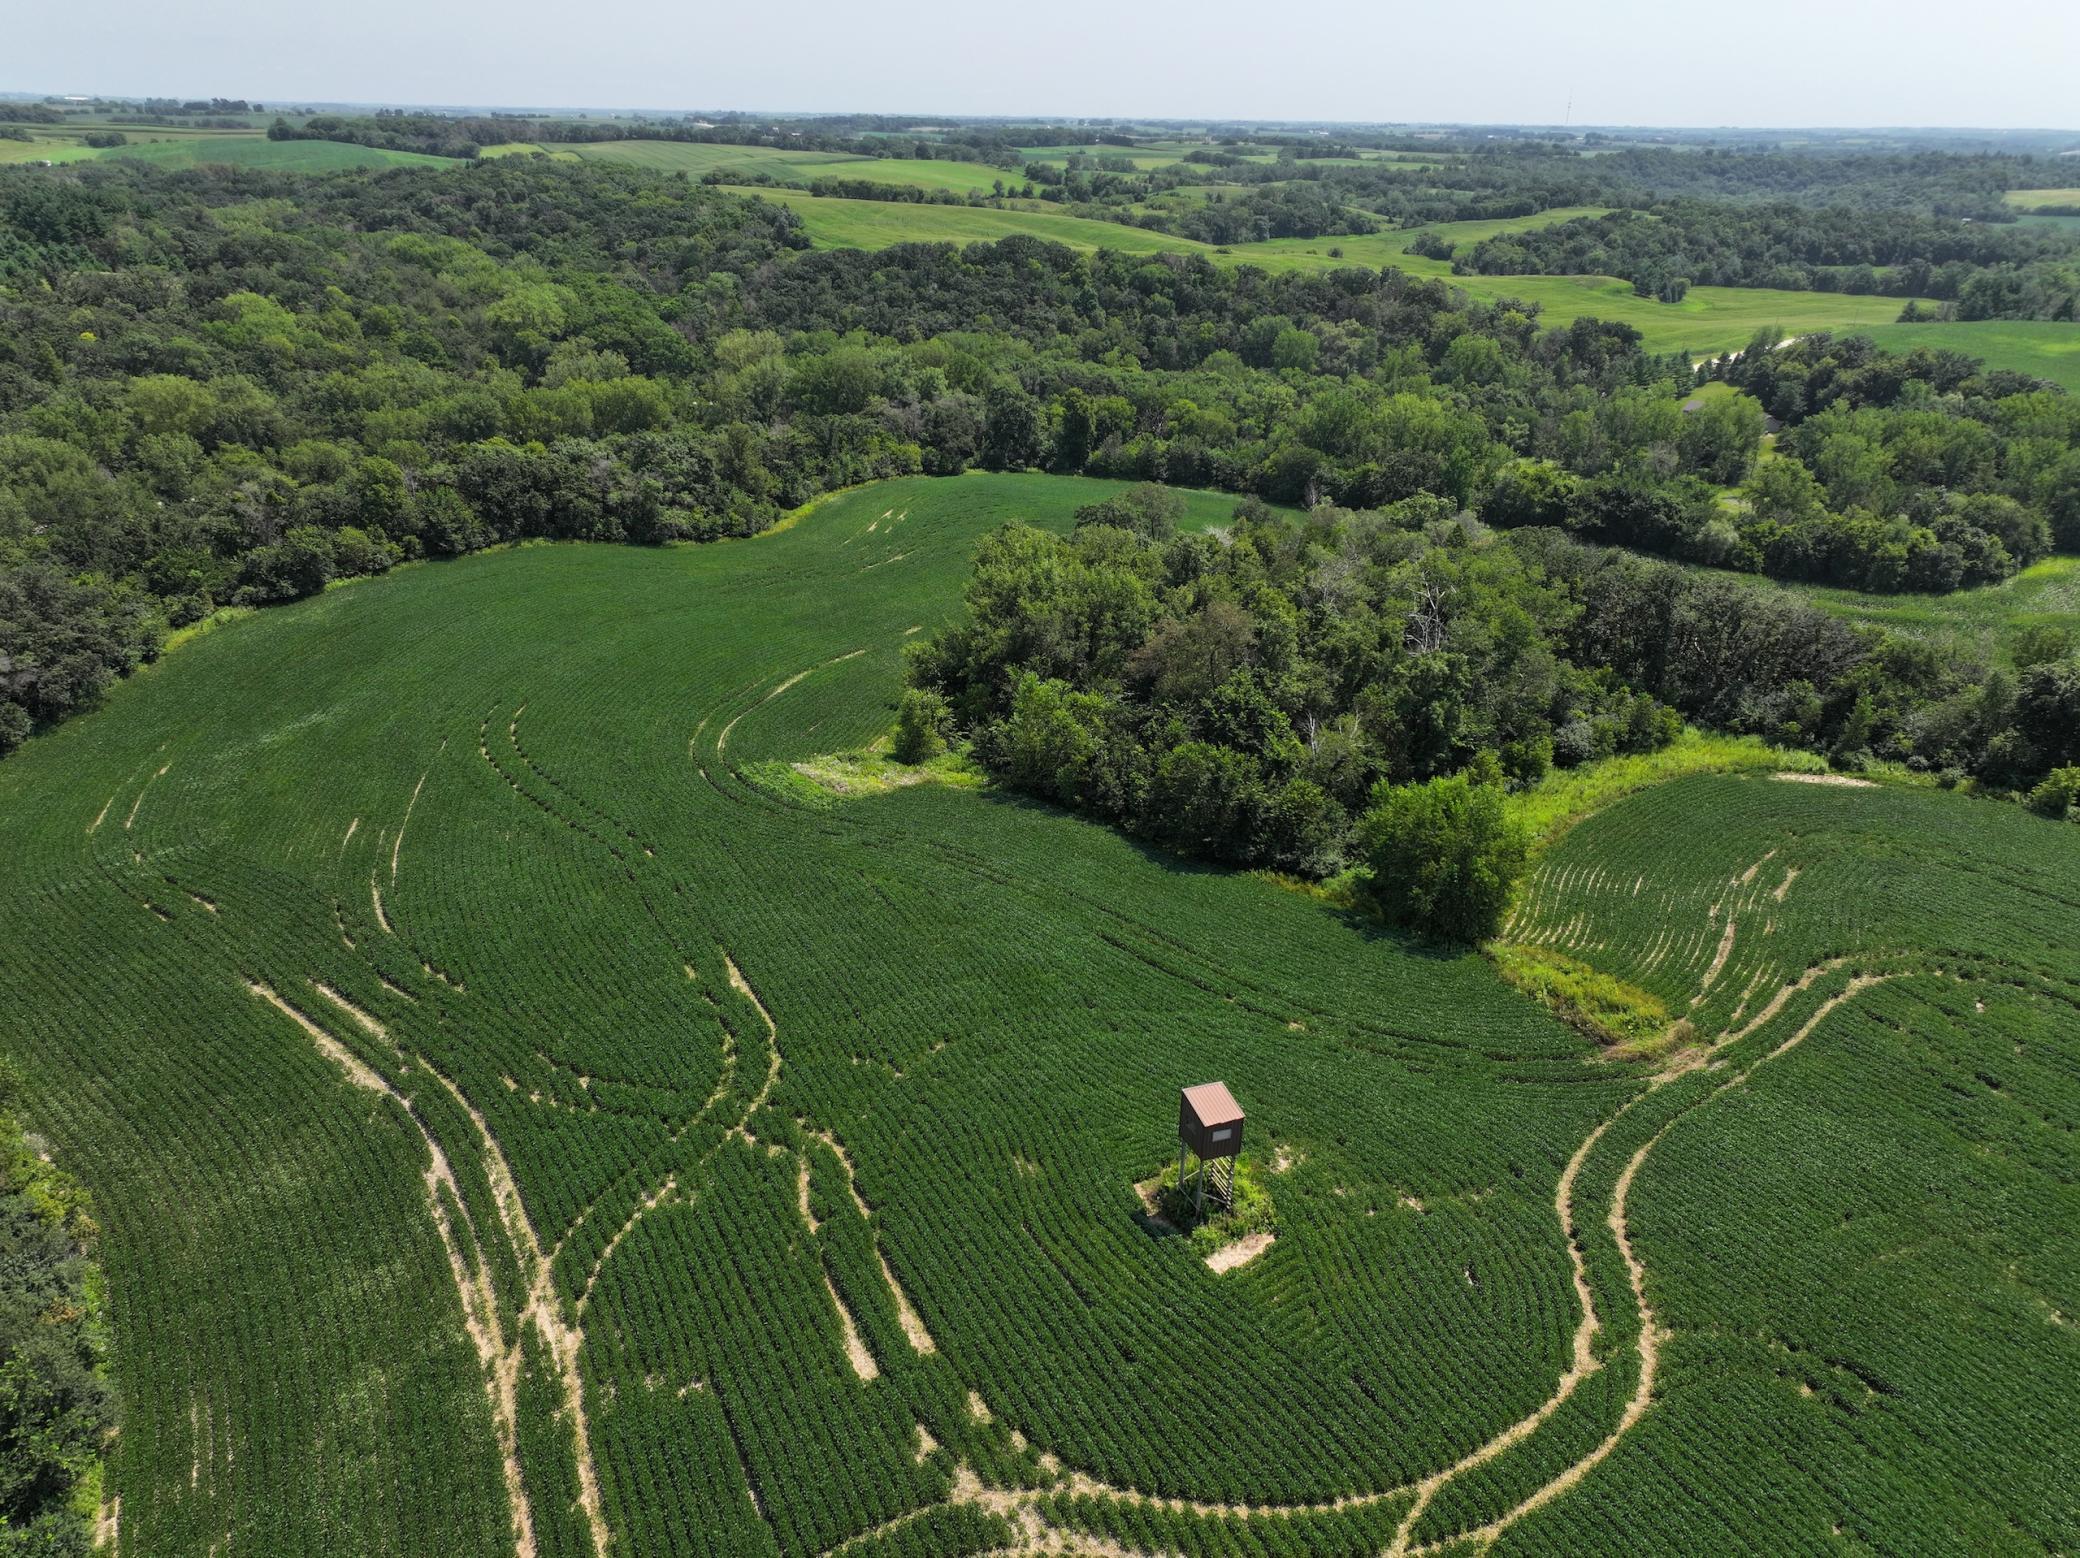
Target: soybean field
529 1116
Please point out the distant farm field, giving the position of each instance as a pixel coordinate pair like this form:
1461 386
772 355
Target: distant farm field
232 148
698 159
2034 199
876 224
2045 348
1982 621
484 1040
1708 320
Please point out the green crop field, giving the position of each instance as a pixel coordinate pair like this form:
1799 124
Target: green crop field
284 156
876 224
1830 1234
2048 349
697 159
527 1115
2032 199
235 148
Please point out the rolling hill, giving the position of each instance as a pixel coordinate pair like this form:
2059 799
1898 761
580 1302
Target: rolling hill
482 1040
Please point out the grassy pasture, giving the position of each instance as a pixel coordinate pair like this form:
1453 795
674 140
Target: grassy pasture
961 177
698 159
2049 349
471 867
46 149
875 224
2034 199
1983 621
179 148
555 152
1143 161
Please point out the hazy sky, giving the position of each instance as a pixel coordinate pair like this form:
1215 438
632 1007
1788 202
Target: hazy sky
1675 62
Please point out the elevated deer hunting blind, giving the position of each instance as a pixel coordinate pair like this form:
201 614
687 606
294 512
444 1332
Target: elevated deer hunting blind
1209 1127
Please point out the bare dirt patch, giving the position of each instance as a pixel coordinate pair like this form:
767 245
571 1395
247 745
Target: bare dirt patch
1585 1361
912 1322
1844 781
844 1161
397 844
368 1024
649 1203
480 1315
856 1353
742 986
1241 1252
131 820
544 1308
802 1192
1719 958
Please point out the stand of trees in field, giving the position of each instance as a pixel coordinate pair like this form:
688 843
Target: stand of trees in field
226 387
1360 687
1981 270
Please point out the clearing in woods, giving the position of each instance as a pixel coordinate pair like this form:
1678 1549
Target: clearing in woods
634 1138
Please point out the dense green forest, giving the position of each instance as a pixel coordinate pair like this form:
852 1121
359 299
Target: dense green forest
232 388
1919 220
1261 698
55 1404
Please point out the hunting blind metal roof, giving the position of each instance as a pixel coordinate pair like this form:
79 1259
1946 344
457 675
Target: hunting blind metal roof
1209 1121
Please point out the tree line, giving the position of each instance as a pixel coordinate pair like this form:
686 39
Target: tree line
1359 688
1981 270
199 411
56 1407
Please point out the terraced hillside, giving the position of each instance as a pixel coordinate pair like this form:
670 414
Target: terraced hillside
523 1125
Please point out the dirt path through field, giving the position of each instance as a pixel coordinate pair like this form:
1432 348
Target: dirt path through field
543 1308
472 1282
1651 1334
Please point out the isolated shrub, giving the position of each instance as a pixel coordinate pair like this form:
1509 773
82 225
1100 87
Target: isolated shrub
1528 761
1445 856
299 564
356 552
921 724
1303 830
1573 744
2058 794
1149 511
